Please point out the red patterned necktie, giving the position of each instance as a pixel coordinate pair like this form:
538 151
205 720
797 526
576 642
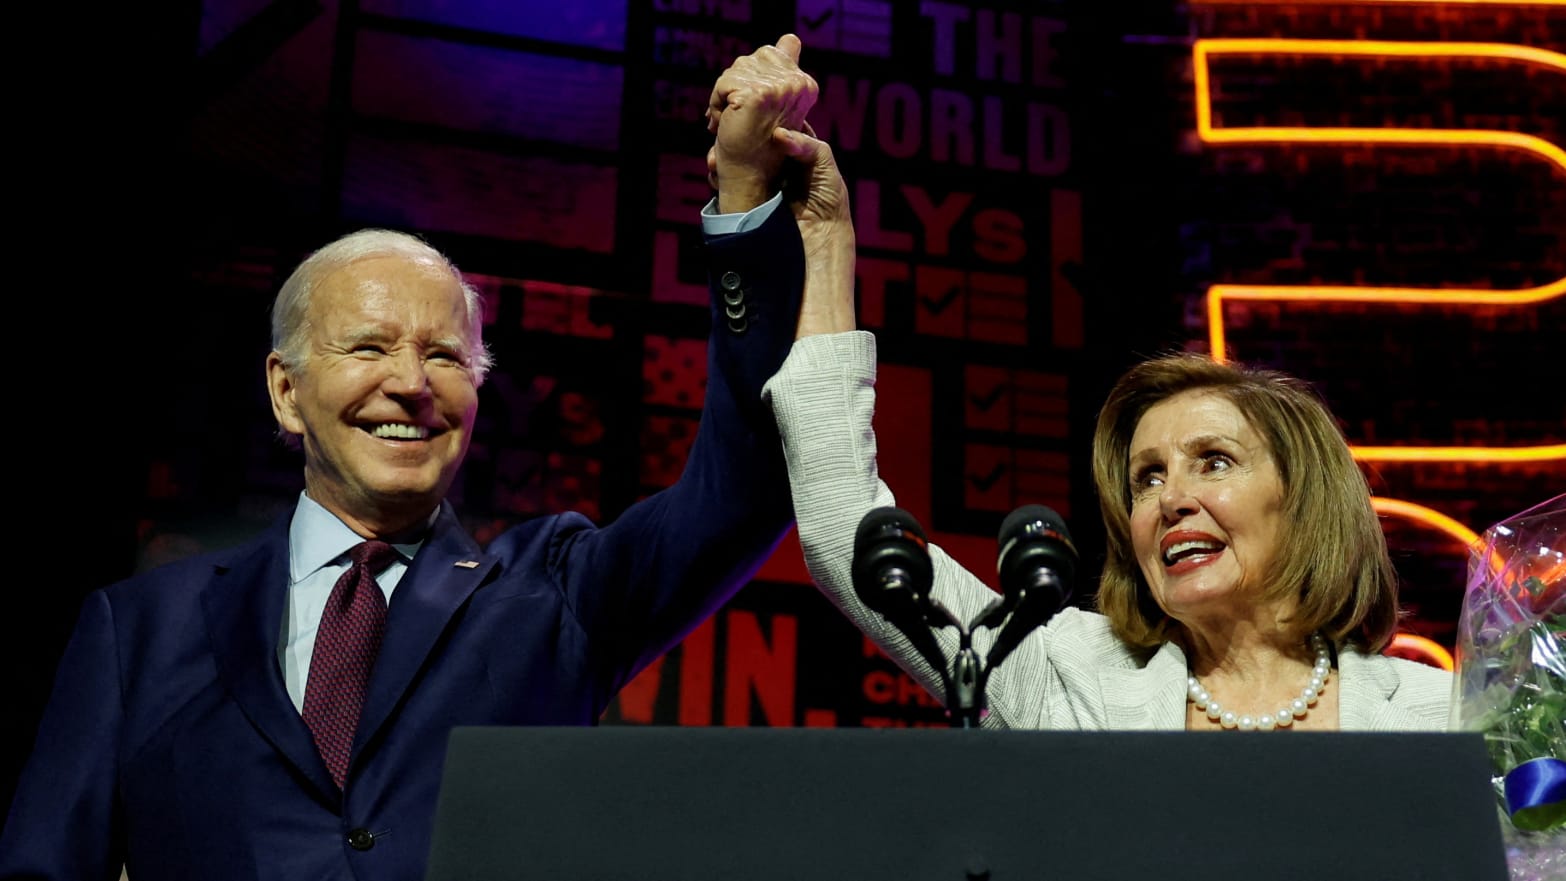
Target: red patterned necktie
345 649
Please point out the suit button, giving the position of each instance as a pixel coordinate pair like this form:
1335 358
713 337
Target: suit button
730 281
361 839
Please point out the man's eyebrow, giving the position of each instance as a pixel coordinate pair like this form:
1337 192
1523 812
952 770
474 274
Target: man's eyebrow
360 333
455 344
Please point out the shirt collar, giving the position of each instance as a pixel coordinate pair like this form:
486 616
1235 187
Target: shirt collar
316 537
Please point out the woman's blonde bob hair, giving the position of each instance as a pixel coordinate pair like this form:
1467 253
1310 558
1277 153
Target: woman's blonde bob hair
1333 556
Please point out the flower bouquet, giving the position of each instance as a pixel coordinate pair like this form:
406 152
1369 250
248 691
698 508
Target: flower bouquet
1511 680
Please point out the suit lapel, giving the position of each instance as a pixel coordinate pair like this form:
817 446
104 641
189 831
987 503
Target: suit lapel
244 604
429 594
1367 684
1151 698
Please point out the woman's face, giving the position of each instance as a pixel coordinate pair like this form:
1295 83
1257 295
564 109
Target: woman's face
1206 506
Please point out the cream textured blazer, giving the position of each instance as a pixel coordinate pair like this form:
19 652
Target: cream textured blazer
1071 674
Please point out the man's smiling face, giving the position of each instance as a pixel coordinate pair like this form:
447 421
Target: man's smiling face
385 398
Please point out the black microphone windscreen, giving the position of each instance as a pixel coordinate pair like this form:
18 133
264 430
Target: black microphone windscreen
1037 516
1037 565
1033 530
880 522
890 544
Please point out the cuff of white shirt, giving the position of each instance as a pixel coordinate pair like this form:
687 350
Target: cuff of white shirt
715 224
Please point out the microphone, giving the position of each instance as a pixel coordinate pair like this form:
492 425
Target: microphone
1036 556
892 571
1037 564
893 575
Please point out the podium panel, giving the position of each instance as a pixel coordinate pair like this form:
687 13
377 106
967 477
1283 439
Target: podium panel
766 804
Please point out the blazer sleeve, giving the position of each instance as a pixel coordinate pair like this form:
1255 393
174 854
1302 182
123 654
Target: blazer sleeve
65 821
638 585
824 401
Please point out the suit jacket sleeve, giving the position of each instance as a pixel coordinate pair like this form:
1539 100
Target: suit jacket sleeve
638 585
65 821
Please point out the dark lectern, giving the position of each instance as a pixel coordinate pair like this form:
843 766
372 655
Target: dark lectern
710 804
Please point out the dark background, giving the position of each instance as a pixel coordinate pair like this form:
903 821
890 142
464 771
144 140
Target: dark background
174 162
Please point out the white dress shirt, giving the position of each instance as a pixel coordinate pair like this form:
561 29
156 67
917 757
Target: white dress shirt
318 545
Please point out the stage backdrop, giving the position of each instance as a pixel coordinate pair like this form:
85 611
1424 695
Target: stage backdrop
1372 196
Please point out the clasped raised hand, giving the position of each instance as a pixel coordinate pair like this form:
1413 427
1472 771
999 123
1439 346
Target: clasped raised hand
755 101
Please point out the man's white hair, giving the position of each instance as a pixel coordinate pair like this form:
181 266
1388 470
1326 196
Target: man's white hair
291 309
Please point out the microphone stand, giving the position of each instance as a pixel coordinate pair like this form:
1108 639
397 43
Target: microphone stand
965 696
965 678
968 675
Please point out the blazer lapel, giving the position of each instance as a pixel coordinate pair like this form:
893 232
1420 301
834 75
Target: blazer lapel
448 568
1151 698
1366 686
244 604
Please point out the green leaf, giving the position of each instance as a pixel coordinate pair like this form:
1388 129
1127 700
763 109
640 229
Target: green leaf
1540 818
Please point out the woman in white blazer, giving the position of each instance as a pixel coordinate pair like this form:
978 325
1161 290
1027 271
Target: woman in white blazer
1246 587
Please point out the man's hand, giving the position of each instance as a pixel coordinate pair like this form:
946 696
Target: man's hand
757 112
756 98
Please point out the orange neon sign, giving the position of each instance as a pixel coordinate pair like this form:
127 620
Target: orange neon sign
1218 295
1475 455
1203 50
1422 647
1437 521
1429 517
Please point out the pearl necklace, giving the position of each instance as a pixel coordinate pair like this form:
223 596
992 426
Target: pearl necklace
1283 718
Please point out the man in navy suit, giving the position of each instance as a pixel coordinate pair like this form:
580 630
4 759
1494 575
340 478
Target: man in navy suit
179 742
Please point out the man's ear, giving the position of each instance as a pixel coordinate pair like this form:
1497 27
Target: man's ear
280 387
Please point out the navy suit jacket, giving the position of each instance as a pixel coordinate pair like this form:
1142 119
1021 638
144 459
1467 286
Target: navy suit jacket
170 742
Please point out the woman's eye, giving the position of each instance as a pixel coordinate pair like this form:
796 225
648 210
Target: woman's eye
1218 461
369 349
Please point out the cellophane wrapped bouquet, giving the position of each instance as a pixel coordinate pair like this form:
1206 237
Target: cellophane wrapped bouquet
1511 680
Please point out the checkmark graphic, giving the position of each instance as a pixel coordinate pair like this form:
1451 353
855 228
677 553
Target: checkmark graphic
988 399
937 305
982 482
814 22
818 21
862 27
